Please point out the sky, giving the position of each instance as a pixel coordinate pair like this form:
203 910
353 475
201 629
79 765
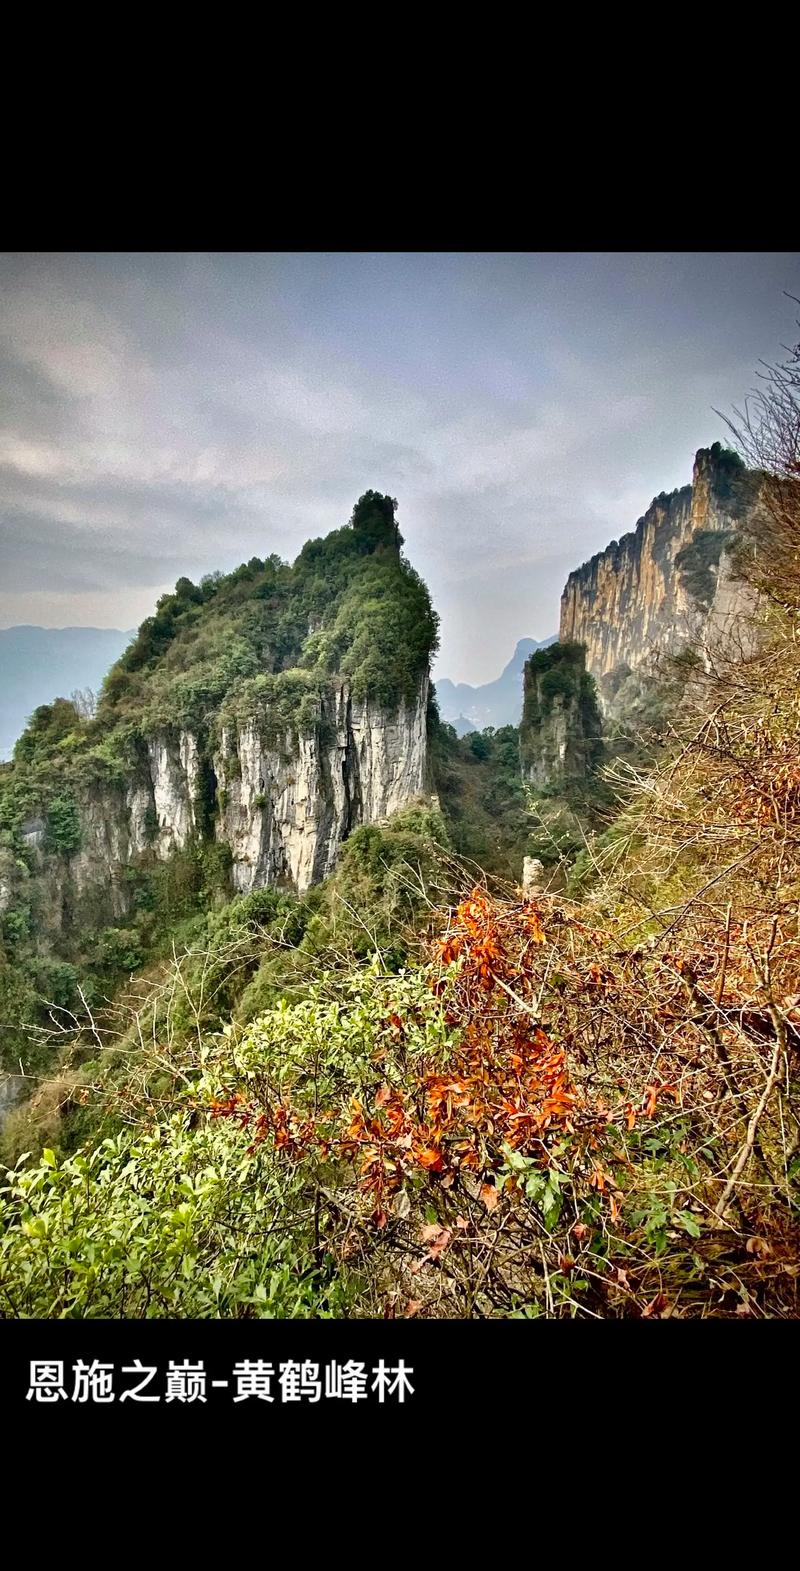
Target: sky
172 414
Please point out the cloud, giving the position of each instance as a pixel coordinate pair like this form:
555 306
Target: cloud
173 414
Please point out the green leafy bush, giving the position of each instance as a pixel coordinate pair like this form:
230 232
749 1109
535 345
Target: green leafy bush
63 832
697 563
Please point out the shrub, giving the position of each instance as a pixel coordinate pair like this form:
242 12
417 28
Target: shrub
63 833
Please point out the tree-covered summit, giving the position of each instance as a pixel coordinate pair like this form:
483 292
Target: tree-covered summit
256 642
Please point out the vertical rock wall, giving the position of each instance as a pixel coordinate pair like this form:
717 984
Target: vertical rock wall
284 804
656 588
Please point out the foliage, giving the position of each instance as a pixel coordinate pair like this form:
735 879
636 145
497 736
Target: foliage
48 726
735 486
557 670
698 561
164 1223
557 683
63 832
266 635
360 1150
232 959
373 520
488 812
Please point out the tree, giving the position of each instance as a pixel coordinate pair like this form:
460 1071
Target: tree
85 701
374 521
767 434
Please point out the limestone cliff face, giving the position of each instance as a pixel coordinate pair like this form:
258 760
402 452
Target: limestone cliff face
660 585
560 732
286 812
283 806
155 814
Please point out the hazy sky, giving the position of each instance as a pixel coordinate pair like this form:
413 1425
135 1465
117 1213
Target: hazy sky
163 415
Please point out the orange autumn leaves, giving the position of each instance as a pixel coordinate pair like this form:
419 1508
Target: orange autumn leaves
474 1072
505 1081
477 935
650 1101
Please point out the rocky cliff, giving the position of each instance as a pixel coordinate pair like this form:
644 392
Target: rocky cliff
285 815
254 721
561 728
281 805
663 583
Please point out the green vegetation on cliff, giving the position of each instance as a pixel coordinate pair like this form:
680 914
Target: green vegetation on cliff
698 561
264 640
735 485
407 1095
261 645
561 731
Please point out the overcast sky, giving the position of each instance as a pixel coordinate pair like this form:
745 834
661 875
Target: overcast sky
163 415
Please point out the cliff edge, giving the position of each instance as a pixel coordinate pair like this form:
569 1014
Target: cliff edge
661 585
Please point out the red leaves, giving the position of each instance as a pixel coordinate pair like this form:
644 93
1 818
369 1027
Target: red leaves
291 1133
429 1158
262 1130
653 1092
598 979
505 1083
449 950
476 938
438 1239
229 1107
655 1308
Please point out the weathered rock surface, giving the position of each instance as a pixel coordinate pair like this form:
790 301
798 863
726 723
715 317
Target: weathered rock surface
286 811
669 580
532 877
283 805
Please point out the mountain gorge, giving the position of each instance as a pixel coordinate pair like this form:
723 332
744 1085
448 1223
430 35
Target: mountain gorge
259 719
296 1043
497 703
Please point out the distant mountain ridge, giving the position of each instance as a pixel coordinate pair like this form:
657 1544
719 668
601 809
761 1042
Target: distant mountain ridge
496 703
38 664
